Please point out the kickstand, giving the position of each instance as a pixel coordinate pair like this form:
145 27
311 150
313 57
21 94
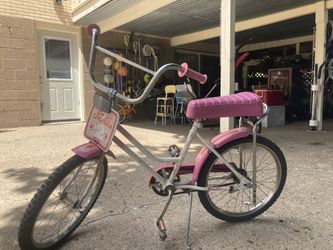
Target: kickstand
188 247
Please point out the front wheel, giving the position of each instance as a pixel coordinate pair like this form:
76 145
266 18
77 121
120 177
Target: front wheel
61 203
121 111
232 204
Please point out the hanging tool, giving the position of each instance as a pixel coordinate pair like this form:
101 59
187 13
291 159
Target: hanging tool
126 42
140 48
147 53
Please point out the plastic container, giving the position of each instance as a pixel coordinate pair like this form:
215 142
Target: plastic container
275 117
270 97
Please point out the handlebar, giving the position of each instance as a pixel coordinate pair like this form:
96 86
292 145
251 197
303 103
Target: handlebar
186 71
183 70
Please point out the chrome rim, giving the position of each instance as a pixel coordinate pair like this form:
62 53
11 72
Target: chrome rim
240 203
66 204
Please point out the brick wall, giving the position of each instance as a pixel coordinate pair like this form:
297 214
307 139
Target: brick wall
40 10
19 85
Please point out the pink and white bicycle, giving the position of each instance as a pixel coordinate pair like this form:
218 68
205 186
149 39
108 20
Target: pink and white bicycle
237 174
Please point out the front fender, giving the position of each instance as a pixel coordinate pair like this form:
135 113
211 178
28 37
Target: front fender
217 142
89 151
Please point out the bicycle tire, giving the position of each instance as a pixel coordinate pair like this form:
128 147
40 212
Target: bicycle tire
210 203
33 219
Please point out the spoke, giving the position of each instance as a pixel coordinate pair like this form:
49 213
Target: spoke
53 211
62 214
230 156
248 159
236 201
74 177
274 182
262 159
249 197
268 165
222 184
85 176
262 191
48 223
263 169
244 156
222 198
268 178
230 200
242 201
265 186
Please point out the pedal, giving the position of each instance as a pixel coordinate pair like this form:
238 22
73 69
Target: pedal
174 150
161 229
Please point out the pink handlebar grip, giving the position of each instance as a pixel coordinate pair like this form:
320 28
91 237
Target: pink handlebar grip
91 27
192 74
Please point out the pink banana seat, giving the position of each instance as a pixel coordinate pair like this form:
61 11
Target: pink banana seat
240 104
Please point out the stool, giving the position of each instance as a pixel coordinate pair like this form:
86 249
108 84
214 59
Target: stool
165 105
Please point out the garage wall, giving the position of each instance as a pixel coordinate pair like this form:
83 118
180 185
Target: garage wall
39 10
19 82
115 40
19 87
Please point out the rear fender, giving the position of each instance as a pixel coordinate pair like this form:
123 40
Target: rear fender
217 142
89 151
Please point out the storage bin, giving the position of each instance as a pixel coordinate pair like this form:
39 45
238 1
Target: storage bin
270 97
275 117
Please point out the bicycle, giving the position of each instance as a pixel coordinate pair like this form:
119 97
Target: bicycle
245 171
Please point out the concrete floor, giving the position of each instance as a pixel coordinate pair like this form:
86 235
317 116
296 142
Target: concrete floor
123 217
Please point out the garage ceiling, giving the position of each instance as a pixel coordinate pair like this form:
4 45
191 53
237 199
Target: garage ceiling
296 27
186 16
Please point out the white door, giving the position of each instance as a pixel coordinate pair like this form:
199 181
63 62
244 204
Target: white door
60 99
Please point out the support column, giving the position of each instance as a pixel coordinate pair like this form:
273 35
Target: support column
227 54
320 45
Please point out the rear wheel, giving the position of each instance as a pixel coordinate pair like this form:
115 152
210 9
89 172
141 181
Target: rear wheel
246 203
61 203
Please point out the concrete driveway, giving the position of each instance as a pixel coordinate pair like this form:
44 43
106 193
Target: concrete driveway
123 217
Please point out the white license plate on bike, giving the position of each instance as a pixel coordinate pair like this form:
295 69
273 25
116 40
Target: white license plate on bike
101 127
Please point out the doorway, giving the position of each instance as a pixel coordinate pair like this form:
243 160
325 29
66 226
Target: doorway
58 74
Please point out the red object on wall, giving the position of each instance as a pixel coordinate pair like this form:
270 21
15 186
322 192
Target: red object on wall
270 97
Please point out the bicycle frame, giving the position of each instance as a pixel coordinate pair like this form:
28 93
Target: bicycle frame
192 133
177 161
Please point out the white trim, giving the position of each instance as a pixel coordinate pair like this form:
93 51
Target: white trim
194 52
134 12
80 75
86 7
245 25
74 31
276 43
195 36
70 58
141 34
57 27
